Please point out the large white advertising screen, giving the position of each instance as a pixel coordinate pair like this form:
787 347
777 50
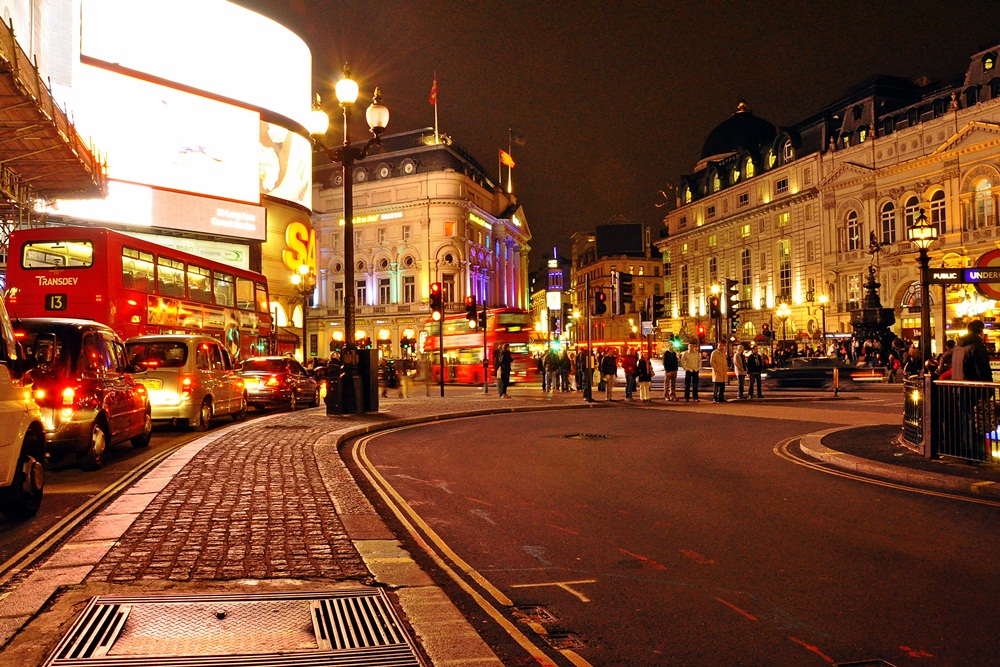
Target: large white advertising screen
210 45
285 164
163 137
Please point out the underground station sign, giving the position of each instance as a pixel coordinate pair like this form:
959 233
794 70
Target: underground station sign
985 275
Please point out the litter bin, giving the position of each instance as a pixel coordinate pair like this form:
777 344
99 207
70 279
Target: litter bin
334 394
368 379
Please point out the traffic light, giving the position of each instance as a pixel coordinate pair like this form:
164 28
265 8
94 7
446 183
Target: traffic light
733 304
470 311
437 302
701 333
482 318
659 310
600 303
624 291
566 317
765 331
713 307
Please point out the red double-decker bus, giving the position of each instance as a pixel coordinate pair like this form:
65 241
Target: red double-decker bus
463 347
136 287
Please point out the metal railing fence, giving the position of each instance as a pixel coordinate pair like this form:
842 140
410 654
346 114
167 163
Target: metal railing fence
964 421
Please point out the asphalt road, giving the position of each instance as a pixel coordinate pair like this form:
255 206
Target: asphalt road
675 536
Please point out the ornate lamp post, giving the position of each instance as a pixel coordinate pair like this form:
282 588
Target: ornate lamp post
922 235
783 313
304 282
377 116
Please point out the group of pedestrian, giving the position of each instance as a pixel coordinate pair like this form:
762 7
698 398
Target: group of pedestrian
747 364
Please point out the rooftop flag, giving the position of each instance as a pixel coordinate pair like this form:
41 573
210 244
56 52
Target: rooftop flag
506 158
434 92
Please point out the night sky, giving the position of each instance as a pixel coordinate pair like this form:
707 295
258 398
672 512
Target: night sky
614 99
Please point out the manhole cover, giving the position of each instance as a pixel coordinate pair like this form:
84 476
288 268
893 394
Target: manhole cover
587 436
345 627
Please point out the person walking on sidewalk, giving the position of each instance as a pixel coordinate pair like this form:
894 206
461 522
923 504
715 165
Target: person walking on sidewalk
504 361
755 366
551 370
971 363
740 366
670 375
629 362
644 376
690 361
609 372
720 370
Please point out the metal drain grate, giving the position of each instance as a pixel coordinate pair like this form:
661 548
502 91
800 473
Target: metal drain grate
587 436
344 627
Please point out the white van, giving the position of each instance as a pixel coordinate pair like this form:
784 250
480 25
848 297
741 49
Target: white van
22 438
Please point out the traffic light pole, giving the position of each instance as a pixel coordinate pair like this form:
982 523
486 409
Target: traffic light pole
486 359
588 380
441 352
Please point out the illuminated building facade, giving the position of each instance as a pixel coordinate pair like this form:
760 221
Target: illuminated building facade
424 212
792 213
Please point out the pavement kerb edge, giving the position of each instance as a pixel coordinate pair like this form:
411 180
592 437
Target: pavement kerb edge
812 445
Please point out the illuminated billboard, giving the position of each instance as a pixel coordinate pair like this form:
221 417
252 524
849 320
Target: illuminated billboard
167 138
285 164
210 45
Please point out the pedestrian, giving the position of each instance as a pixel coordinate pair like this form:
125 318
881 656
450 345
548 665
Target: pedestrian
585 372
551 370
609 372
755 366
565 366
690 361
644 376
670 375
971 363
503 362
944 359
740 368
720 371
913 364
629 362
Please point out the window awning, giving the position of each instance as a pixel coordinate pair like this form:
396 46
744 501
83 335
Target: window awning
41 154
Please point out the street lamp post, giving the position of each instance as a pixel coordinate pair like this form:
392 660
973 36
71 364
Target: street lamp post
822 308
377 116
783 313
304 281
922 235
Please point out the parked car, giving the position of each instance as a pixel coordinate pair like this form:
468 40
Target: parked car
22 436
810 373
190 379
278 382
85 387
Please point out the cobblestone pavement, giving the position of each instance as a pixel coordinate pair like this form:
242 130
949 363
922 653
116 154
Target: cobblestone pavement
251 505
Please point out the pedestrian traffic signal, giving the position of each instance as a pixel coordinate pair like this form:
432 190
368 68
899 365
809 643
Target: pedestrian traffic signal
659 310
713 307
600 303
437 302
470 311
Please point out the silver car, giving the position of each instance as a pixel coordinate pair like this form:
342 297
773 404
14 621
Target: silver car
190 378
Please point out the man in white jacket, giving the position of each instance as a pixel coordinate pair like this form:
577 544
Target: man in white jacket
740 368
690 361
720 369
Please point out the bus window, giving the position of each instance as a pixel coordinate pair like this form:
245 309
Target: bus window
137 270
225 289
261 298
170 277
244 293
57 254
199 283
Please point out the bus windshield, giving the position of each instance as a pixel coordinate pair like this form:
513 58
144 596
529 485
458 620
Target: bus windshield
57 254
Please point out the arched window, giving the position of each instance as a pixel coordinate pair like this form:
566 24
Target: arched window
845 140
716 182
971 96
887 125
748 168
858 110
910 212
989 61
984 204
938 215
887 217
862 134
854 240
789 152
687 194
771 159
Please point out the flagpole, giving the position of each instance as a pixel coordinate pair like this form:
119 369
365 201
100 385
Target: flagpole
510 151
437 137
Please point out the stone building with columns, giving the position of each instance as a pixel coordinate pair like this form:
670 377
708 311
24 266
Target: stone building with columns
424 211
794 213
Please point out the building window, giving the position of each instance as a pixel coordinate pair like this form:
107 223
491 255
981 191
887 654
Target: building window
338 295
684 221
911 212
938 214
783 218
358 237
406 232
684 249
384 292
409 289
807 176
785 269
685 293
748 168
713 270
888 219
744 200
853 231
448 288
781 186
716 182
449 228
809 211
360 292
989 62
763 262
746 275
983 204
381 234
771 159
744 231
788 151
712 240
687 195
810 251
710 213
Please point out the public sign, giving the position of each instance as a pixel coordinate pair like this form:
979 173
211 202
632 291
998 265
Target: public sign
985 275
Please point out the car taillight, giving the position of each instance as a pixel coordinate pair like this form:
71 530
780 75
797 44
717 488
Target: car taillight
186 383
68 396
273 381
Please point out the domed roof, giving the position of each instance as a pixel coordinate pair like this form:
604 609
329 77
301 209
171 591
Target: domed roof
741 130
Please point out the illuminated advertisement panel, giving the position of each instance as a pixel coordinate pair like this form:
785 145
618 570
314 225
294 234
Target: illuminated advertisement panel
188 142
227 253
141 206
285 164
211 45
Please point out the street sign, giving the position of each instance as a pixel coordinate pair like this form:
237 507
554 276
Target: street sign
987 265
974 275
647 328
